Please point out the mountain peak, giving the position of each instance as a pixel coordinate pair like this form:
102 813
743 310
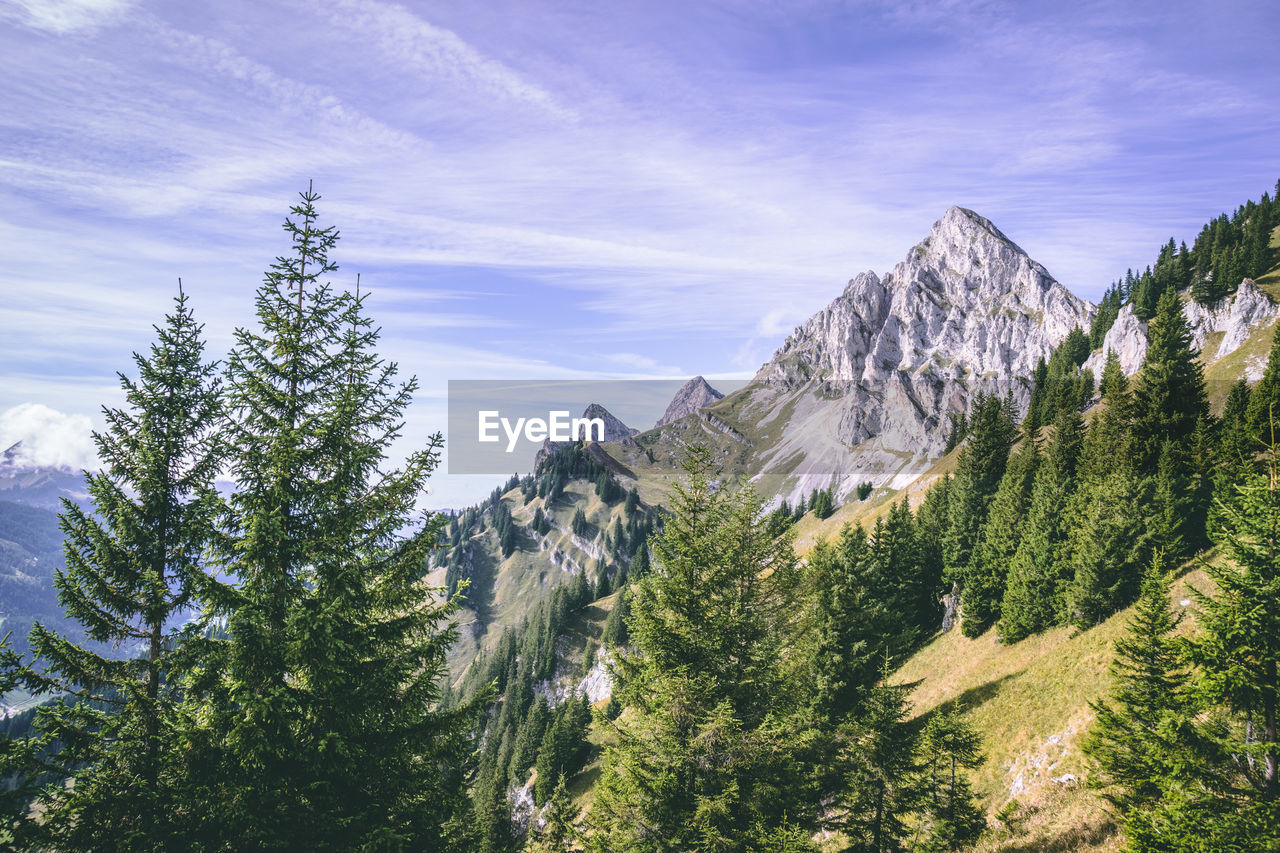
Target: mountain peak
614 429
692 396
966 306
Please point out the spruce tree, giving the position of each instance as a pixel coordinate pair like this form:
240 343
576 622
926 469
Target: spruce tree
984 580
323 732
1234 454
1040 568
1264 402
1238 647
1169 396
948 747
1108 539
705 750
1139 736
134 566
555 834
883 785
978 471
851 628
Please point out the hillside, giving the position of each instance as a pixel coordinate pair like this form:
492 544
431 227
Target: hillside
863 395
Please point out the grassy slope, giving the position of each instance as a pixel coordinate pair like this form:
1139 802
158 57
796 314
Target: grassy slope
1030 702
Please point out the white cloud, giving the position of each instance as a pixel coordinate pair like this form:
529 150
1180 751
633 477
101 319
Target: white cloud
49 437
431 51
63 16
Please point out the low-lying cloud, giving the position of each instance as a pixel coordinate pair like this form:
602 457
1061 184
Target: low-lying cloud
47 437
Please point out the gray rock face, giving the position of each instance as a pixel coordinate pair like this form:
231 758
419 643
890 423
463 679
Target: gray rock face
692 396
614 429
1234 317
966 310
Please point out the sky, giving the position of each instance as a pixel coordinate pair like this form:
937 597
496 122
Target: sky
537 190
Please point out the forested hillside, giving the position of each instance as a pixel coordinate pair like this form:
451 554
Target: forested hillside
1058 628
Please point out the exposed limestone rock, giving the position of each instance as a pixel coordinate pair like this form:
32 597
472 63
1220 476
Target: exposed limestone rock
1235 317
693 395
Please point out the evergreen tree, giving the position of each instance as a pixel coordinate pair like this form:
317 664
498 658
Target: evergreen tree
978 473
948 747
1264 402
823 505
1139 745
134 566
1108 535
17 759
851 625
1109 541
1040 568
556 833
1234 455
883 783
706 750
1238 647
321 730
1169 397
984 581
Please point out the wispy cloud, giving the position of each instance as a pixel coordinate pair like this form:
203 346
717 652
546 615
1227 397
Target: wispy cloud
63 16
558 188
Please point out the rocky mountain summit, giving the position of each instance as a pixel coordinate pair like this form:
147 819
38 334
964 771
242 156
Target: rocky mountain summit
693 395
966 310
614 429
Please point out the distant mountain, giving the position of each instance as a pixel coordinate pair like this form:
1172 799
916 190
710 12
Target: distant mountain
861 391
614 429
38 486
693 395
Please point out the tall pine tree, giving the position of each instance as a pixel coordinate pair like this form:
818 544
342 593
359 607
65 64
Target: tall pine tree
1040 569
134 567
708 746
322 727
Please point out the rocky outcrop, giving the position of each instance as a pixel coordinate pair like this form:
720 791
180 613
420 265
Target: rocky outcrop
693 395
614 429
966 310
1234 317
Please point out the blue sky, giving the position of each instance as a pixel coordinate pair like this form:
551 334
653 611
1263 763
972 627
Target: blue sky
577 189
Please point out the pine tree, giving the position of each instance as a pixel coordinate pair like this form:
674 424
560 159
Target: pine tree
1234 456
851 628
1106 516
1040 568
323 730
134 565
556 832
1169 397
1264 402
984 580
17 752
1238 647
883 787
949 746
1139 743
978 473
705 750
